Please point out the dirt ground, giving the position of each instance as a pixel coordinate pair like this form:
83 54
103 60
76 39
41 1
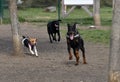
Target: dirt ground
52 65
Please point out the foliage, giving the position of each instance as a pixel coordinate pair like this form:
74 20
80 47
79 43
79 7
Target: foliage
106 3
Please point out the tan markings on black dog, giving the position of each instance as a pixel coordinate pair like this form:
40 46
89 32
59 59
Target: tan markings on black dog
77 56
75 42
70 56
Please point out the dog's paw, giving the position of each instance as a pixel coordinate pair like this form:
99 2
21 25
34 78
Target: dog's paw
58 40
37 56
84 62
76 63
70 57
51 41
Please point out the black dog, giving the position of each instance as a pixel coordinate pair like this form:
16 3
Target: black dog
53 29
75 42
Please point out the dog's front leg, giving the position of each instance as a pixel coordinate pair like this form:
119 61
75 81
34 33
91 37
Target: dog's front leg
54 37
58 36
35 49
70 54
50 37
69 50
76 53
83 53
30 49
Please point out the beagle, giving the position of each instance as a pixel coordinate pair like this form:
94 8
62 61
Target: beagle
30 43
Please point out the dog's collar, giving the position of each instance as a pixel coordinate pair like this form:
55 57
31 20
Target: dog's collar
77 35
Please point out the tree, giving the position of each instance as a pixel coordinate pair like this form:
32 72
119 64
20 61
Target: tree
114 65
96 12
17 50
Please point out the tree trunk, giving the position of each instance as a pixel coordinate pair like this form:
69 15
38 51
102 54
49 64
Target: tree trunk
114 66
96 12
17 50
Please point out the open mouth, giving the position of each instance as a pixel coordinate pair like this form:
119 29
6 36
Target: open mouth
71 37
56 25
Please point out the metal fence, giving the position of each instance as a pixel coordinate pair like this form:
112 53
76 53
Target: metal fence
4 12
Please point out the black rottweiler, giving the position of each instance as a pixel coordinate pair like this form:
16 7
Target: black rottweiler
75 42
53 29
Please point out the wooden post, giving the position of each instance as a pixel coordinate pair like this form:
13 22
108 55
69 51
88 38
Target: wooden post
17 50
114 60
63 9
96 12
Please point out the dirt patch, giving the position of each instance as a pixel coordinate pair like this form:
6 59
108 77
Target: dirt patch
52 65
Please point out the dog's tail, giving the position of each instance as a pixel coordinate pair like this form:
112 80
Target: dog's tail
59 20
23 36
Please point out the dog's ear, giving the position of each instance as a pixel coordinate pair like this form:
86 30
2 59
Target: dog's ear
27 37
74 26
36 39
68 25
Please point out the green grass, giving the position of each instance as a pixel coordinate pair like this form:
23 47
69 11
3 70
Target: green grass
99 36
106 16
36 15
78 15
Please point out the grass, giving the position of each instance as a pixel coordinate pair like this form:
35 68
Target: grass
36 15
106 16
97 36
78 15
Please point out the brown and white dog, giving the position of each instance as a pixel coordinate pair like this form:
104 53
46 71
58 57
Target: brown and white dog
30 43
